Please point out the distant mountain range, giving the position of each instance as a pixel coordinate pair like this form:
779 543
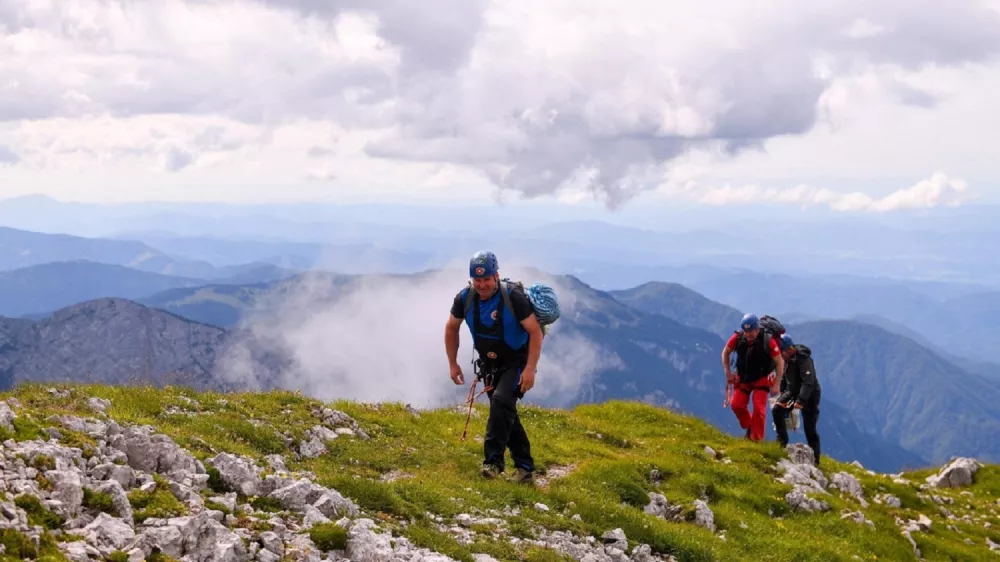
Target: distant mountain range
586 241
656 341
957 318
21 248
38 290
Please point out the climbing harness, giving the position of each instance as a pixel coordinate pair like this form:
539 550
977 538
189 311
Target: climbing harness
487 378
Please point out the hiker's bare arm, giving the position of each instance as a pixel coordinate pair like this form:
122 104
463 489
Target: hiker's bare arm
726 352
451 338
535 342
779 371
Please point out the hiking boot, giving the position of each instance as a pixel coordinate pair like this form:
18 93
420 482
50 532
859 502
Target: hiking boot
522 476
489 471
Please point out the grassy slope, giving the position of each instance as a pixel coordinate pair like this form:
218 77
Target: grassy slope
611 448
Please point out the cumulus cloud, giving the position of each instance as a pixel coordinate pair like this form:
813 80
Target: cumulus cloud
582 97
381 337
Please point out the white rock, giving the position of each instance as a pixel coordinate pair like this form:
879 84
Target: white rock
703 516
238 473
98 404
108 534
7 416
959 472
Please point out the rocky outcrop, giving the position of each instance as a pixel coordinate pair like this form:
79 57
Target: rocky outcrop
137 492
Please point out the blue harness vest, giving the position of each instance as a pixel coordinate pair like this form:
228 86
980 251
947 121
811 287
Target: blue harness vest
496 342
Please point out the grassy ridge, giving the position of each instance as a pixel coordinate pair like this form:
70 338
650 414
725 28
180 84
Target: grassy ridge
415 470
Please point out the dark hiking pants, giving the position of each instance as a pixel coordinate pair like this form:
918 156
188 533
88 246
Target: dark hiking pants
810 416
503 428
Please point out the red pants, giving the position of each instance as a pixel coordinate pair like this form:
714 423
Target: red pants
740 401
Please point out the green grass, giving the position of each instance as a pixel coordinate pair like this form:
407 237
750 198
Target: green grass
613 448
159 503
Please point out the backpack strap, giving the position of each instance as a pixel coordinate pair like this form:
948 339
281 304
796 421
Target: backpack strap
468 299
506 298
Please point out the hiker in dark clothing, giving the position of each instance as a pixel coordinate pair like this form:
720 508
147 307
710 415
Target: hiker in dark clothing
508 342
800 390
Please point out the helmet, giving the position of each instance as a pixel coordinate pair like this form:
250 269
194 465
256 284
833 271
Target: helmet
749 321
786 342
483 264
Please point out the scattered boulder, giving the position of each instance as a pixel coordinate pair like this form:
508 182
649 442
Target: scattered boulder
889 500
803 476
612 547
798 500
339 420
849 485
800 453
958 473
7 417
703 516
858 517
239 474
99 405
658 506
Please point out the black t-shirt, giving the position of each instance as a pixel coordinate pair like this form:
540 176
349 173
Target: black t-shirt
518 301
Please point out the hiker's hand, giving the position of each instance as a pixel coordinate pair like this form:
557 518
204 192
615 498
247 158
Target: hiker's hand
527 378
798 405
730 377
456 374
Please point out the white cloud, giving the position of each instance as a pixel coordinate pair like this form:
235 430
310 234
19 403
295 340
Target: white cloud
562 99
382 338
938 190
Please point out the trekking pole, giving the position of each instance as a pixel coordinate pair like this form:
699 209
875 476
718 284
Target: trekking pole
469 399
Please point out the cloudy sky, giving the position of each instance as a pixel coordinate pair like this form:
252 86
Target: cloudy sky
856 106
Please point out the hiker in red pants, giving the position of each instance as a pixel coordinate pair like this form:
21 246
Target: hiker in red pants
759 366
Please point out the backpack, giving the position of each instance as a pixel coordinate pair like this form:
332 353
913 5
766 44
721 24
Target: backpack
770 327
541 296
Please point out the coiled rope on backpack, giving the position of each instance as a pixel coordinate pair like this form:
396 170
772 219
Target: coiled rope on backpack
543 298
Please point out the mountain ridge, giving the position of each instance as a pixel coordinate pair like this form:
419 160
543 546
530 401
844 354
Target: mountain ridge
116 340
